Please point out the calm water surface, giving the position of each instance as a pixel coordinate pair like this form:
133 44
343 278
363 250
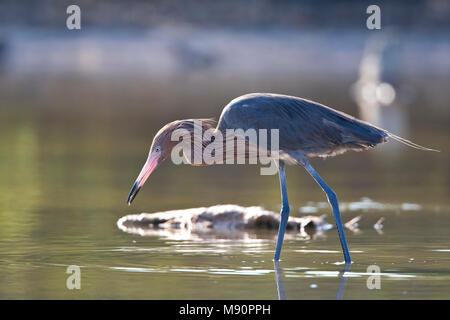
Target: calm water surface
63 188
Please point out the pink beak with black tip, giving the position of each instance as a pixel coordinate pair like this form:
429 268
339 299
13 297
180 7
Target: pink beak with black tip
148 168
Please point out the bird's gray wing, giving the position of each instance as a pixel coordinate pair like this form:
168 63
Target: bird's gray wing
303 125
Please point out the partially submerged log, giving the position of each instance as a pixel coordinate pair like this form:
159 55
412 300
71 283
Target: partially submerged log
218 218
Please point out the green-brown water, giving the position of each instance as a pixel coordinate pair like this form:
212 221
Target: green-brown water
65 177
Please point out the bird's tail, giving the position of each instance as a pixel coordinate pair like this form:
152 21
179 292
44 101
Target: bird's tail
409 143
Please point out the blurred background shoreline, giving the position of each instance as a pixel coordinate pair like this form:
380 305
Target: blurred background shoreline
103 91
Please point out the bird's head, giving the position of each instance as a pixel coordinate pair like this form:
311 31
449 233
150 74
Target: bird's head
159 151
161 148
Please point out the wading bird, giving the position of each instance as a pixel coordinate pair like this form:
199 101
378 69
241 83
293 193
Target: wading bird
306 129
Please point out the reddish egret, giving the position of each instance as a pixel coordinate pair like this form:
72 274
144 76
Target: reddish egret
306 129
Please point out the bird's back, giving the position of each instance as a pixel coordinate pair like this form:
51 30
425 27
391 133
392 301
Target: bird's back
305 126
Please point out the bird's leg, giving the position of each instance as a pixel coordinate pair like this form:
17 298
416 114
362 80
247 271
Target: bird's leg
332 199
284 210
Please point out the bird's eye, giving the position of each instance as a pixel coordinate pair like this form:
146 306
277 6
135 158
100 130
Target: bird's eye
158 149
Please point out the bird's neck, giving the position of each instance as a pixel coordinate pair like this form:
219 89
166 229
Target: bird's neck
209 145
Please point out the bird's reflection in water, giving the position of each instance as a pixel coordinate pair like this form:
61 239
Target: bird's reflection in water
279 280
343 280
280 284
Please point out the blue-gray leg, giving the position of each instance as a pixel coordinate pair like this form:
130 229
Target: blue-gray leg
284 210
332 199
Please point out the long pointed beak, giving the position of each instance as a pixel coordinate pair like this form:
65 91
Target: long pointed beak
148 168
